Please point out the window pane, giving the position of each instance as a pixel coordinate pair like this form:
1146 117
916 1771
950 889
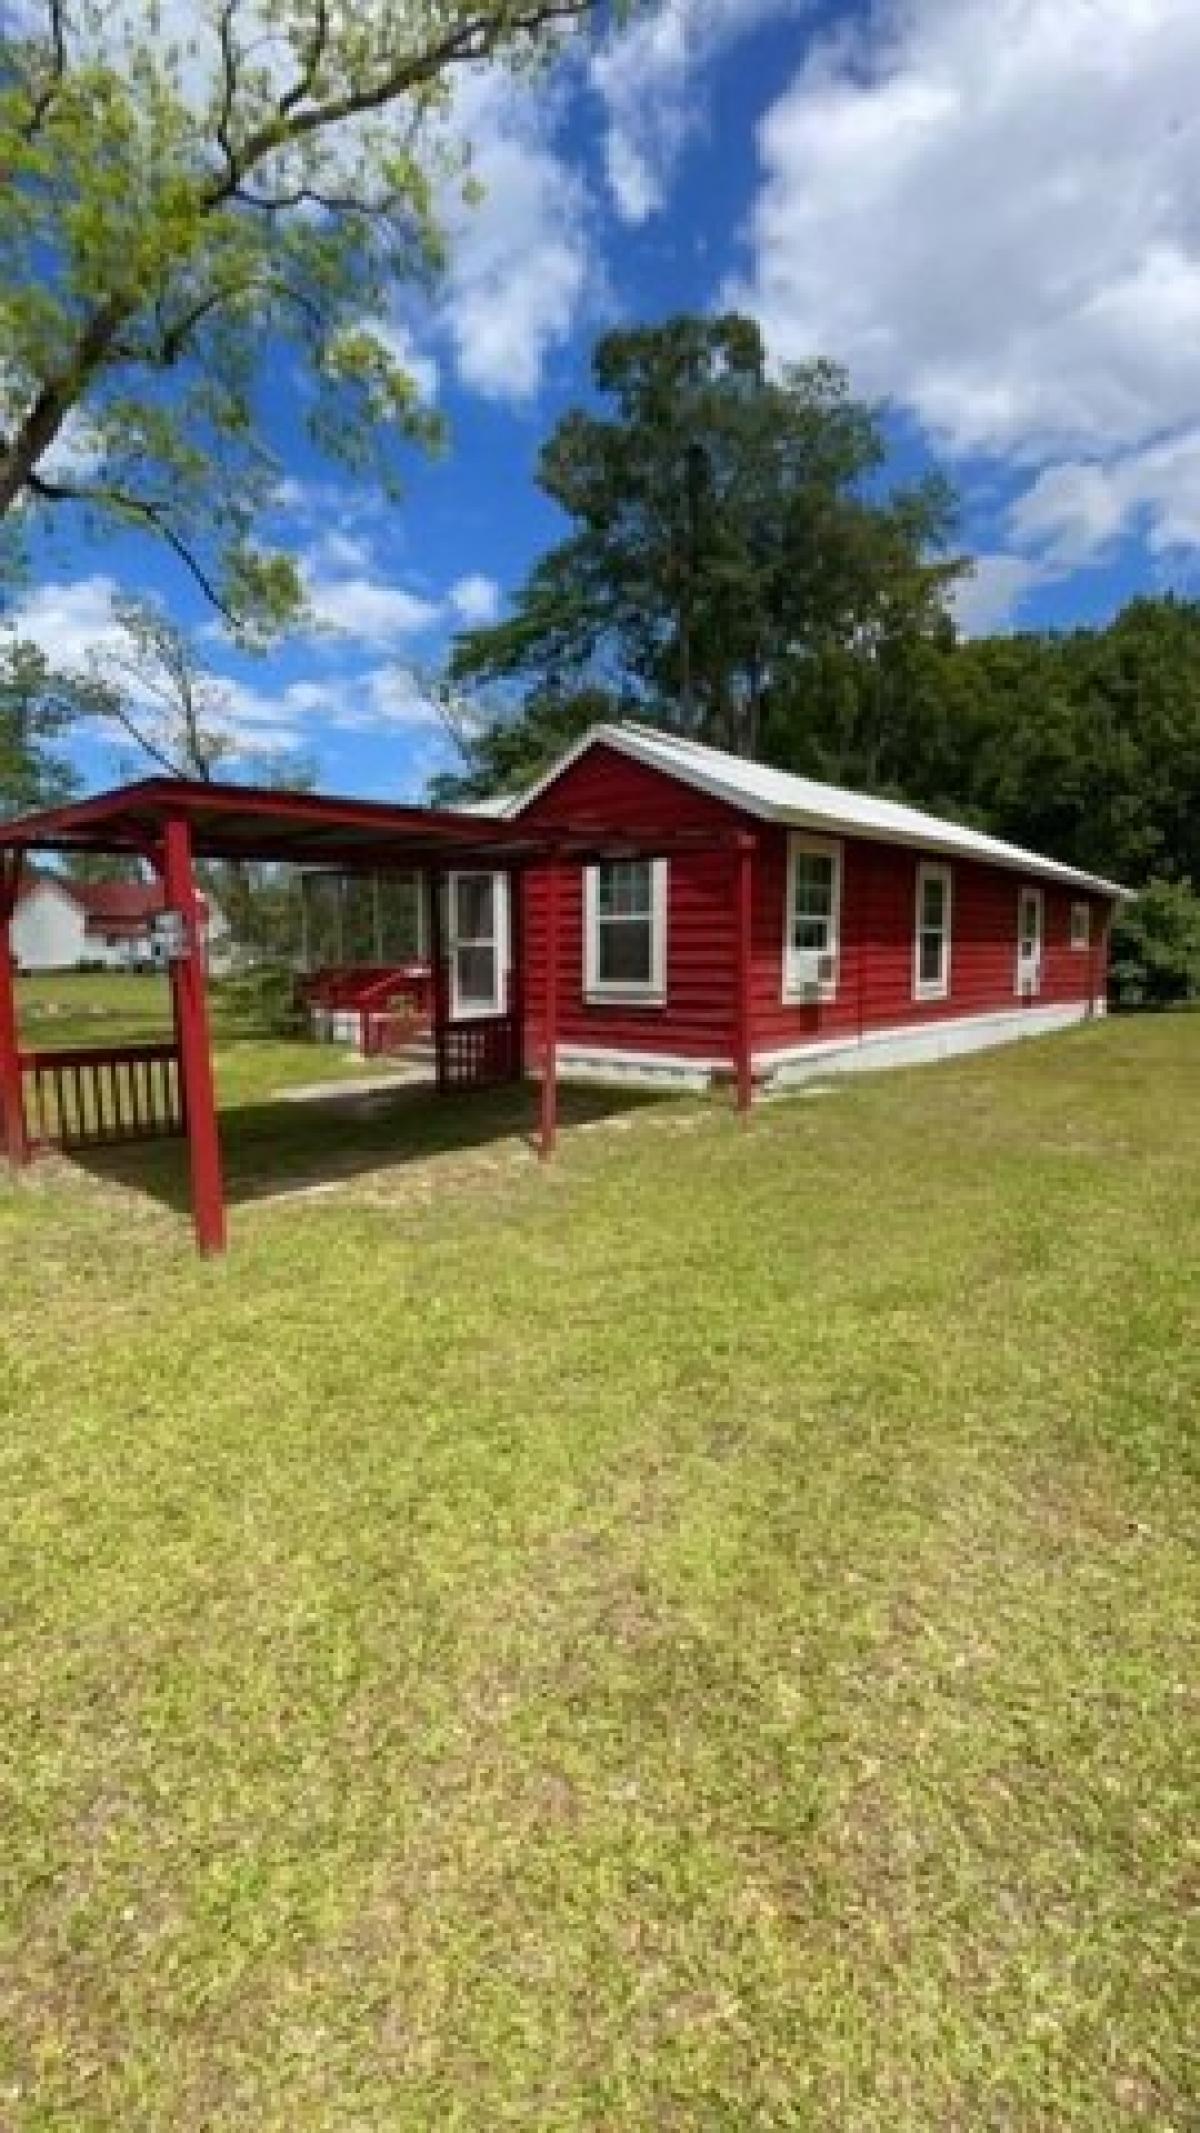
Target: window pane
474 912
476 974
933 902
813 933
624 952
814 882
623 888
931 958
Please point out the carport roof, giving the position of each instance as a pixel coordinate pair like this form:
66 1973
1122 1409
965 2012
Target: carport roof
317 829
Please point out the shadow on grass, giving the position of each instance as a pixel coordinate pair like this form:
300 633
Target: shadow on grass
269 1149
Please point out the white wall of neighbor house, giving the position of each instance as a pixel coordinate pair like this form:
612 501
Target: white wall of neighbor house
218 940
48 930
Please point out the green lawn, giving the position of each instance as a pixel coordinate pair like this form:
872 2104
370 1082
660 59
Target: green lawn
697 1637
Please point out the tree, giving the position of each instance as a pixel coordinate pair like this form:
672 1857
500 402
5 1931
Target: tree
173 210
162 696
38 705
729 534
1156 947
1085 744
501 754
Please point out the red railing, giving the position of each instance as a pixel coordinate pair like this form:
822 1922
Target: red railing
480 1053
347 1002
386 1034
102 1095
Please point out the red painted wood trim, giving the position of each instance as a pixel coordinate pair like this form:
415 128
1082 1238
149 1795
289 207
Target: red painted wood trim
437 959
13 1137
549 1105
744 1033
517 1004
93 1055
195 1046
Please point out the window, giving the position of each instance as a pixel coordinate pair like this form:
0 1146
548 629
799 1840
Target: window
1081 925
814 907
477 944
931 944
625 930
1029 941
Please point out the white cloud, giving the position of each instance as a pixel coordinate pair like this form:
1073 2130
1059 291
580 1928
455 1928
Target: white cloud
990 599
390 699
990 209
375 699
475 599
338 549
401 345
73 624
519 267
1077 509
364 609
70 620
646 78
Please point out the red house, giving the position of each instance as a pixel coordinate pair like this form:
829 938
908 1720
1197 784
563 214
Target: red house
877 934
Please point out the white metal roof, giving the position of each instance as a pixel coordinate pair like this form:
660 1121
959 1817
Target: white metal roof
804 803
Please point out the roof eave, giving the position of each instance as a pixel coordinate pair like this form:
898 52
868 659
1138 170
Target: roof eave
1013 861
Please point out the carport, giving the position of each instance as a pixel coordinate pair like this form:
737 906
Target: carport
128 1092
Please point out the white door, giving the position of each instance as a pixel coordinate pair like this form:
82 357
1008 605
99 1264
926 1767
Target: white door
1030 932
477 945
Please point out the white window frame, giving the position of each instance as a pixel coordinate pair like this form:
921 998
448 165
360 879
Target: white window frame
478 1010
651 992
1023 989
1081 937
933 988
830 848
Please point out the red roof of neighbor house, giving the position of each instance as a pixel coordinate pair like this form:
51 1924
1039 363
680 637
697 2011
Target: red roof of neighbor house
118 900
117 907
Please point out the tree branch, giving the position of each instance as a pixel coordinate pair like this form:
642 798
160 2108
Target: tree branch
45 96
310 196
309 65
116 709
229 79
472 41
153 515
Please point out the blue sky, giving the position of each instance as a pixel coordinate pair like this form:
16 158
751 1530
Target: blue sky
989 210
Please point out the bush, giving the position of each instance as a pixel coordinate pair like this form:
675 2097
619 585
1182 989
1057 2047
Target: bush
1156 948
262 998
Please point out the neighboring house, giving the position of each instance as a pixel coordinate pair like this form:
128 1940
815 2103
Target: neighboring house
62 924
879 934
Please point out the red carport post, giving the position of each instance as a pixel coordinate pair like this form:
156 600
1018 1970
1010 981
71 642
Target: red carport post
515 1002
195 1044
743 861
13 1136
549 1123
435 911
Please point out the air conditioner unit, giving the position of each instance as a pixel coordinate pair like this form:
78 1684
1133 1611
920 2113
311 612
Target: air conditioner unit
812 973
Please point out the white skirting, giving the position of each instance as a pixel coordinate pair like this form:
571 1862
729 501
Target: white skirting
910 1044
916 1043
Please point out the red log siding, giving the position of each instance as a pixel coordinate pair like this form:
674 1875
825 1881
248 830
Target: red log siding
603 789
875 989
